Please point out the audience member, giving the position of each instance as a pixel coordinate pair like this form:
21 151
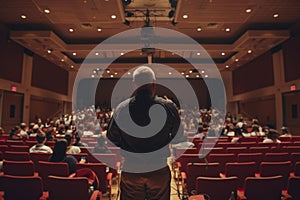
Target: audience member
59 155
78 141
14 133
285 131
71 149
272 137
40 146
101 146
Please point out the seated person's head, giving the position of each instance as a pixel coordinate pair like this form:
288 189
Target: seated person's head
273 134
40 137
68 138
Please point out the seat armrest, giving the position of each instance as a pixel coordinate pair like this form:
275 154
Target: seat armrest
72 175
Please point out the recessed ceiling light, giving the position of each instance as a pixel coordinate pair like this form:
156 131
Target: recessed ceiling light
97 54
185 16
122 53
199 29
108 71
93 76
223 53
98 68
94 71
62 60
72 66
182 73
206 76
197 76
113 16
128 73
49 51
198 54
227 29
116 73
190 71
187 75
170 73
71 30
111 76
275 15
47 11
85 1
227 66
248 10
74 53
249 51
23 16
236 60
99 29
202 71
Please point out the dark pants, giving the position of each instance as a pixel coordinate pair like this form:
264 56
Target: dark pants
150 186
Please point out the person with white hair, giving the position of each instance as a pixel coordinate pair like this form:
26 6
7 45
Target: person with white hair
145 172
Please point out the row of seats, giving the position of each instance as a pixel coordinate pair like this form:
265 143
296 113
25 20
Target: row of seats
58 188
255 188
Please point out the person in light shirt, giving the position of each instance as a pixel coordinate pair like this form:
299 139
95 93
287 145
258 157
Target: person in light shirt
272 137
40 146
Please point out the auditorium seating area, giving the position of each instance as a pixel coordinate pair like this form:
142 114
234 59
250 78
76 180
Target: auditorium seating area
249 169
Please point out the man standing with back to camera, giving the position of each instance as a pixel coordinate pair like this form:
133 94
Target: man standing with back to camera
145 173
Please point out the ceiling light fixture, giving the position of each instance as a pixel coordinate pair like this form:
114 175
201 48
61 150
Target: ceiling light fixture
62 60
227 66
182 73
170 73
227 29
71 30
206 76
47 11
275 15
113 16
97 54
223 53
99 29
187 75
23 16
72 66
128 73
198 54
122 53
93 76
111 76
191 71
197 76
202 71
185 16
249 51
199 29
236 60
74 53
248 10
49 51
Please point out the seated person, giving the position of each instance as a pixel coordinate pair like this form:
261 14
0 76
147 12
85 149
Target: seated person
59 155
285 132
71 149
101 146
40 146
78 142
272 137
14 133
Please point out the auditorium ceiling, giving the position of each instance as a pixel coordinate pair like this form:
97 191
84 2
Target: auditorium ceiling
233 32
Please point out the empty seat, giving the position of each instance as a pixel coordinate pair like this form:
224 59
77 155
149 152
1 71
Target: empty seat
251 157
184 159
39 156
62 188
241 170
237 150
18 168
294 187
16 156
22 187
262 188
193 170
276 168
52 168
217 188
222 159
276 157
259 149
